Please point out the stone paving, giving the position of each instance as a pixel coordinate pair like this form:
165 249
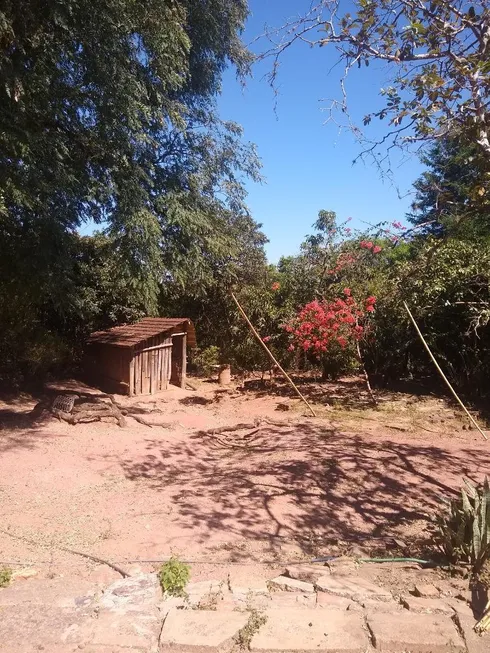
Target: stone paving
308 608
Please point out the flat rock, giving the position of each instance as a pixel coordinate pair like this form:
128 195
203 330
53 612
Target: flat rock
307 573
40 628
475 643
325 600
281 600
372 605
128 615
136 593
118 629
417 604
426 590
204 587
60 592
311 630
352 588
290 584
417 633
199 631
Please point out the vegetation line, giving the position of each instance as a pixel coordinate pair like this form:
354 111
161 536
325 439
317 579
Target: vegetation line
270 354
440 370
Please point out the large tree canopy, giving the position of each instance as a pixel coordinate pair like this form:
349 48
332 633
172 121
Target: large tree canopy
108 114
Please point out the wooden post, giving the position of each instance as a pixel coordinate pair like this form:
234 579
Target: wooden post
446 380
184 361
131 375
270 354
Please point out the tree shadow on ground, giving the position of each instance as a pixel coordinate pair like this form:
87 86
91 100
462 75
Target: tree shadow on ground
20 429
347 393
303 482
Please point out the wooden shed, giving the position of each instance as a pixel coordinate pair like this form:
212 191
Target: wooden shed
141 358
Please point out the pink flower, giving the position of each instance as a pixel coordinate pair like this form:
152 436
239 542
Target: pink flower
377 249
370 308
347 292
291 348
266 339
342 341
276 286
397 225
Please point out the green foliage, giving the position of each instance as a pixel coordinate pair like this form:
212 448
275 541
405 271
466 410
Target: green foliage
464 526
206 360
5 576
452 195
174 576
108 116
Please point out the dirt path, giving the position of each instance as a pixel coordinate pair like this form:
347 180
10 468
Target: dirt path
250 496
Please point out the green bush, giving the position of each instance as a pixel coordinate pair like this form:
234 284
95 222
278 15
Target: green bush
206 360
174 576
464 526
5 576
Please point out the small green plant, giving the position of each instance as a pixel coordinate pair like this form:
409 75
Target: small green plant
207 360
174 576
464 526
5 576
244 636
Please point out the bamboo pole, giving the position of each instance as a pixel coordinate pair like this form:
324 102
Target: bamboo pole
441 372
366 377
270 354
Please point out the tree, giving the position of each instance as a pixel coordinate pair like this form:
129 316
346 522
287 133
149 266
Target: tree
438 53
108 114
452 194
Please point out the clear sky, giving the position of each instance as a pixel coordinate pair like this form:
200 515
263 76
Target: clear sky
307 164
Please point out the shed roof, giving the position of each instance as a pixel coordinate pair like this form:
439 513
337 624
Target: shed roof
130 335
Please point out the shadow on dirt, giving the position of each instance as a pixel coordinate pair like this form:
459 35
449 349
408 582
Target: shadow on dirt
348 393
303 482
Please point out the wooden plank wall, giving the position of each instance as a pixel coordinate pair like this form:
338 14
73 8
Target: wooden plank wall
151 366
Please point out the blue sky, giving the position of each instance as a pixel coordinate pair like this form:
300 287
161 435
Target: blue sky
307 164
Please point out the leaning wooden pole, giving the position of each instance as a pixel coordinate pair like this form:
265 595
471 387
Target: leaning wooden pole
270 354
441 372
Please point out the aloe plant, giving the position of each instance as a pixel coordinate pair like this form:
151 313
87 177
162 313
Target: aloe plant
464 525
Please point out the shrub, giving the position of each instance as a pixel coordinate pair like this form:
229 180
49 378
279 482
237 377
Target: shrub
464 526
174 576
206 360
5 576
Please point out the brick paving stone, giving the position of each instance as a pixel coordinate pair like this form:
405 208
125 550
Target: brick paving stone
303 631
417 633
200 631
307 573
426 590
290 584
352 588
417 604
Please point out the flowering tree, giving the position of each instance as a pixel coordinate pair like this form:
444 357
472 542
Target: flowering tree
323 328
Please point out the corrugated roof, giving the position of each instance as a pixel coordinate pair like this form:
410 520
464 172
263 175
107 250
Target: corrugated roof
130 335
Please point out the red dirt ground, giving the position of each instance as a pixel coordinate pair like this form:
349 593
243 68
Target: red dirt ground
301 486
